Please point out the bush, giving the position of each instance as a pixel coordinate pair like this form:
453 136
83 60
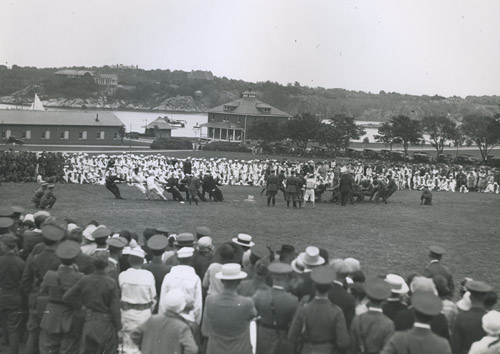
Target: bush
225 146
171 144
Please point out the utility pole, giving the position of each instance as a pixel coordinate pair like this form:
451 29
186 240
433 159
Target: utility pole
130 137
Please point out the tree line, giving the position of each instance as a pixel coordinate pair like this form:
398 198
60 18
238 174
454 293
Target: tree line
336 133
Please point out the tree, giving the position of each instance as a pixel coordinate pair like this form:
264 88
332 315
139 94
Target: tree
406 129
484 131
121 132
265 130
303 128
386 135
346 130
440 129
459 138
366 140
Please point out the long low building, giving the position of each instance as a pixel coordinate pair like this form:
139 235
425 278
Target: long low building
61 127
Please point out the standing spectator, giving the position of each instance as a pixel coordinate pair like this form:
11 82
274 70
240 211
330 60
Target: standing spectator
436 267
345 185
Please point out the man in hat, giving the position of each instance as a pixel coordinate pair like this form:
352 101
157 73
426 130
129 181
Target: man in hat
157 245
167 332
194 189
100 295
338 294
292 190
6 225
468 327
272 188
202 231
138 298
205 250
48 200
110 183
184 277
436 267
276 308
345 185
394 303
371 330
420 339
37 196
308 260
11 308
33 237
226 319
115 249
61 318
320 324
100 236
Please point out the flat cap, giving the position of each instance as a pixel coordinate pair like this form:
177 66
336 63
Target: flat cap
8 240
101 232
437 250
323 275
68 250
117 242
53 232
427 303
377 289
478 286
18 209
202 231
185 239
279 268
158 242
5 222
260 251
6 211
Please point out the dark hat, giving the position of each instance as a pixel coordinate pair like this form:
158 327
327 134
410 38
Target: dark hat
163 231
260 251
100 257
323 275
437 250
9 240
202 231
279 268
18 210
6 211
68 250
377 289
478 286
101 232
158 242
53 232
117 242
6 223
427 303
185 239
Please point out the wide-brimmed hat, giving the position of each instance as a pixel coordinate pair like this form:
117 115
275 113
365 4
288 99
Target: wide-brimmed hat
244 240
184 239
175 300
297 265
311 257
491 323
231 271
397 283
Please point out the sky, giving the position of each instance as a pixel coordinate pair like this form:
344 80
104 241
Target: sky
417 47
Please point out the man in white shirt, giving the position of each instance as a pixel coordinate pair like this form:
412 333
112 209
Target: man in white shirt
311 185
153 187
138 298
183 277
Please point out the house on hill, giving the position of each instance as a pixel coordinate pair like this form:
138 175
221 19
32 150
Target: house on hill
231 121
100 79
159 128
61 127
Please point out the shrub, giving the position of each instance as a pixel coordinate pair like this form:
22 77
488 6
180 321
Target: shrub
171 144
225 146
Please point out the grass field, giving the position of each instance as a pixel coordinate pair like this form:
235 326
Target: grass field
386 238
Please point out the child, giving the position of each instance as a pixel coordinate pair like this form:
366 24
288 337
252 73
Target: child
426 198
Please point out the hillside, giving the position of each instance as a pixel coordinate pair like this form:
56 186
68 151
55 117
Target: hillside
199 91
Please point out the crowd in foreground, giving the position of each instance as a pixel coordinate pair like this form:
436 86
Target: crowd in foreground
68 288
83 168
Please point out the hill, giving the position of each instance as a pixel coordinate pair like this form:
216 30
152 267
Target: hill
198 91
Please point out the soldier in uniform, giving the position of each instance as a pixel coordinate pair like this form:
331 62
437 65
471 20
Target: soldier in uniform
37 196
60 319
115 249
320 325
100 295
157 244
11 271
49 199
420 339
272 187
292 184
435 266
276 308
37 266
371 330
391 187
111 185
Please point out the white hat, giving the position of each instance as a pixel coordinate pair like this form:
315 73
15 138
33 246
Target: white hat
87 233
231 271
297 265
491 323
72 226
397 283
205 242
29 217
311 257
343 170
174 300
244 240
137 252
352 265
185 252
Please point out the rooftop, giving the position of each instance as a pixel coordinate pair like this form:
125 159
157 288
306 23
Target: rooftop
159 123
249 105
28 117
70 72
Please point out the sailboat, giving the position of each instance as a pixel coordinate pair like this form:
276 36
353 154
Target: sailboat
37 104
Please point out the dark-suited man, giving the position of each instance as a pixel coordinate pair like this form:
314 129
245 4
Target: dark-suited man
292 190
272 187
345 185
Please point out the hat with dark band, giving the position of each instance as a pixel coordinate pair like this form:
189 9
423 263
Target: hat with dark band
244 240
5 224
68 250
184 239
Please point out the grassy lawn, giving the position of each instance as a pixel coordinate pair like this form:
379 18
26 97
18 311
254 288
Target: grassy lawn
386 238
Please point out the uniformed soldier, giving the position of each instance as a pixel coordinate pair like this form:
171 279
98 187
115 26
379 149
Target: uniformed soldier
292 191
59 323
157 244
115 249
6 225
11 271
37 266
276 308
100 236
37 196
370 331
320 325
468 326
420 339
48 199
100 295
436 267
272 187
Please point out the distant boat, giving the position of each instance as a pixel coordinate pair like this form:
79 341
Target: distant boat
177 123
37 104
